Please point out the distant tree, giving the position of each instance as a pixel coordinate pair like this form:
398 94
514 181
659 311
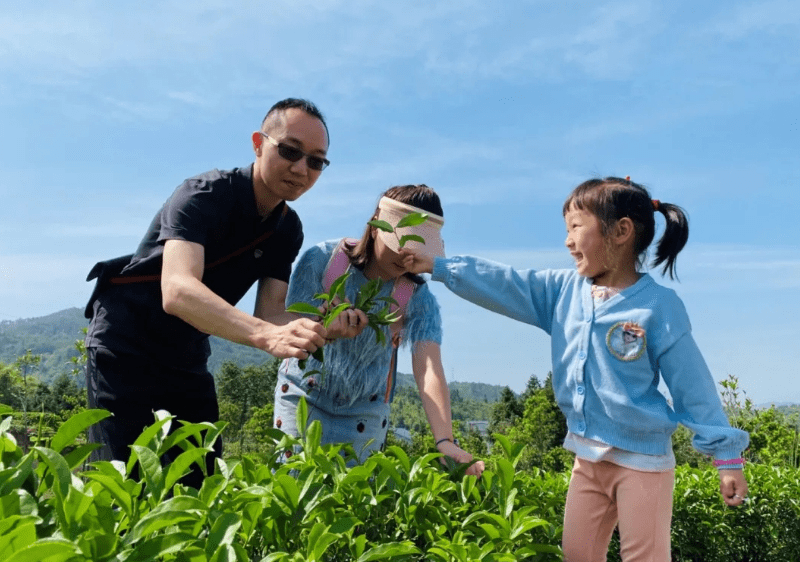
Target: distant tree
774 436
407 411
26 368
531 388
473 442
242 390
8 394
542 429
506 412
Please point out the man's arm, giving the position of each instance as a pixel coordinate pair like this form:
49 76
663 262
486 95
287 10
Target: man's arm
184 295
271 305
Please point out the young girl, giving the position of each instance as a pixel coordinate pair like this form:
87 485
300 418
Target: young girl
352 398
615 333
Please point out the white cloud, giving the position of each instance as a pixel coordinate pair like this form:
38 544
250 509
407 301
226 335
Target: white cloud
773 17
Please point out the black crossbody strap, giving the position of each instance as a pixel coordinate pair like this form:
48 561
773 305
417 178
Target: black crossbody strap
125 279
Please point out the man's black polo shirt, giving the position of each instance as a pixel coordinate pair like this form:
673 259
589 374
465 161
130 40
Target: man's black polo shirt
217 210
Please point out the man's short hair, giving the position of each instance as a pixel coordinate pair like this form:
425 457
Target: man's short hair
299 103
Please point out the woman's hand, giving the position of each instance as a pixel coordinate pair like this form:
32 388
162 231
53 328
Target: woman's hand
416 262
348 324
458 454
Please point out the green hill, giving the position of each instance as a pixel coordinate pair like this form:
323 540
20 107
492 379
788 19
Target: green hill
54 336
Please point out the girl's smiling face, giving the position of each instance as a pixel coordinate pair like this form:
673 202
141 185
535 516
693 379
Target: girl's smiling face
586 244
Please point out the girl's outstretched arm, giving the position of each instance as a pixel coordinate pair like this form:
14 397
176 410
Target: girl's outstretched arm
416 262
732 486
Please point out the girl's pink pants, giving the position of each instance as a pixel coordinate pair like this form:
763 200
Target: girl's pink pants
603 495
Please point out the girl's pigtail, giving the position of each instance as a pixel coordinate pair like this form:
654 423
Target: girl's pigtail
674 239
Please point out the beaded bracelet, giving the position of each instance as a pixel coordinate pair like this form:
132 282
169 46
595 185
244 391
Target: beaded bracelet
443 440
718 463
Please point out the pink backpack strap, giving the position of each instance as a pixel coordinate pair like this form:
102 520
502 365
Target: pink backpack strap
402 293
338 264
403 290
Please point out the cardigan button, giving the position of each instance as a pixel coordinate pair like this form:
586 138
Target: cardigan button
581 390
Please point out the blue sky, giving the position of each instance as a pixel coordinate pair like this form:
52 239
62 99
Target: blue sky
501 107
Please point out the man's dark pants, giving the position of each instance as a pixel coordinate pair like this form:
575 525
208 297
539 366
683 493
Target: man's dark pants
132 388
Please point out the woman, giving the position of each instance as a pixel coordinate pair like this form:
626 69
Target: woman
352 395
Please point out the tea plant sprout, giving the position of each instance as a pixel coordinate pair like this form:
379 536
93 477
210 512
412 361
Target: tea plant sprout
334 301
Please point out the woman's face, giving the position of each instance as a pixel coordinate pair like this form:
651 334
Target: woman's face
386 263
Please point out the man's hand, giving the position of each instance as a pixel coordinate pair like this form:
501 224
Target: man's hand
296 338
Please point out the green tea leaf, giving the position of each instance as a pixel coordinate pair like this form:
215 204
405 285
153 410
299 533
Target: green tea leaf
153 436
381 225
411 238
336 311
304 308
389 551
77 456
182 465
344 525
313 437
223 532
16 533
114 488
166 514
412 219
319 540
338 286
302 416
46 550
75 426
58 468
14 477
225 553
157 547
151 468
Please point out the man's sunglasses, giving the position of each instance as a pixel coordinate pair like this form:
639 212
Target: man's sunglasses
292 154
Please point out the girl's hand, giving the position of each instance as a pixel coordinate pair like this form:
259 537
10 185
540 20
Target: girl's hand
732 486
460 455
416 262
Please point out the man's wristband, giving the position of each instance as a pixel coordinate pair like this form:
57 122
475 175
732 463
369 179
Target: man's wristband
443 440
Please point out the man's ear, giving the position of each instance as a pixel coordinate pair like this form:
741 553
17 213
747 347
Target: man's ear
624 231
257 140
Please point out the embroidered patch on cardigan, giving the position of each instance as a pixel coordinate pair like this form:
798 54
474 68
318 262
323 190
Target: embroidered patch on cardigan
626 341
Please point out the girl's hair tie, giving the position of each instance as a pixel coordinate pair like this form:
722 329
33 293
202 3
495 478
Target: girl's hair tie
656 204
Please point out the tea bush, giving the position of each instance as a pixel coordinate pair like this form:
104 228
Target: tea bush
310 506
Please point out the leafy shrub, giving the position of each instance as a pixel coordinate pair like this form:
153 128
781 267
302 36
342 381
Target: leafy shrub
312 507
309 507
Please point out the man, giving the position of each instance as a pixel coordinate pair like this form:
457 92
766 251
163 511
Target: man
217 235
